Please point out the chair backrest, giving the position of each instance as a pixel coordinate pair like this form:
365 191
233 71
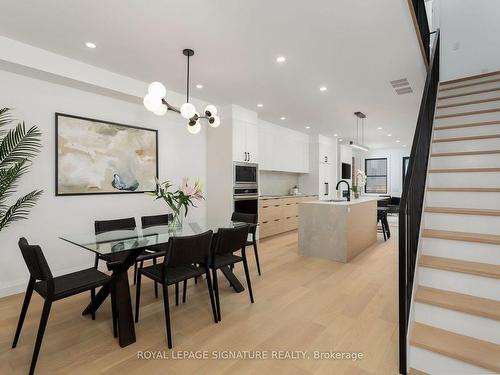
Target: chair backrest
246 218
186 250
35 261
230 240
102 226
150 221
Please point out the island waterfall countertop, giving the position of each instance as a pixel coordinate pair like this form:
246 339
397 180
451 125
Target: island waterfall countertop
337 230
271 196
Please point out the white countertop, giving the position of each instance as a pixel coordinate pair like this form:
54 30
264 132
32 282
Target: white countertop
345 202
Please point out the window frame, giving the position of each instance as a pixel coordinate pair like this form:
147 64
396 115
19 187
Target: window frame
386 174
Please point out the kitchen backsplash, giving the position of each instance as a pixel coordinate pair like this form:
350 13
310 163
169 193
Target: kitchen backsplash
277 183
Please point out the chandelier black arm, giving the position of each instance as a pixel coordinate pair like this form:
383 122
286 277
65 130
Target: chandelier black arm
177 110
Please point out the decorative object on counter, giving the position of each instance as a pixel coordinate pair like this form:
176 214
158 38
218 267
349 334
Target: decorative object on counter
179 200
359 145
360 181
18 147
294 190
101 157
154 101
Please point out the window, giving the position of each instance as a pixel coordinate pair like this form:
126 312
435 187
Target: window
406 162
376 175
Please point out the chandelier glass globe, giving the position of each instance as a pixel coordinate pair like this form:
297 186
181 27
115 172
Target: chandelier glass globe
162 109
157 90
194 129
215 123
210 110
151 103
188 110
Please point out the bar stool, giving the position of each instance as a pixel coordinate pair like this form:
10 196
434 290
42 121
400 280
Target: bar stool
382 219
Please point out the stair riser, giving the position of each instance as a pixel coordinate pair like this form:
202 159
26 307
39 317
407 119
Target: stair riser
466 161
467 89
478 286
467 107
433 363
458 322
493 75
464 223
466 98
462 200
490 116
472 179
467 145
467 132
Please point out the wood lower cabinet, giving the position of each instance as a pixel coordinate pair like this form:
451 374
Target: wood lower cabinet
279 215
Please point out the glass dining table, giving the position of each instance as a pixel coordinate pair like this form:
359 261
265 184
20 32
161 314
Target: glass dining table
124 246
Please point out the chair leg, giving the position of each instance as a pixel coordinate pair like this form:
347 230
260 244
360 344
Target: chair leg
216 290
184 291
41 330
167 315
24 309
247 275
211 294
96 261
156 284
114 311
176 294
135 273
138 296
196 280
256 255
92 302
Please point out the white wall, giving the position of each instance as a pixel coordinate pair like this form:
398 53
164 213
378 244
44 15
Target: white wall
36 101
394 166
475 26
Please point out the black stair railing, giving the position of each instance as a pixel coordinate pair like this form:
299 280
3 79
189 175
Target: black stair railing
412 199
423 25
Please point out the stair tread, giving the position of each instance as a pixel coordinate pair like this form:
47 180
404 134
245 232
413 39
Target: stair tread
463 170
464 348
462 266
468 138
469 85
462 236
469 93
465 303
470 78
465 153
414 371
470 102
468 125
465 189
470 113
463 211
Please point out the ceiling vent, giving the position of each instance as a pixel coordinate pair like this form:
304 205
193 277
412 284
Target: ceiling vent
401 86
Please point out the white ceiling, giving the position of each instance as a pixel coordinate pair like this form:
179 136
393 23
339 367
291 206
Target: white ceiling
354 47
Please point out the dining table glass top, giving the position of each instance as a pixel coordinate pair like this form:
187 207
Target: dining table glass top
142 238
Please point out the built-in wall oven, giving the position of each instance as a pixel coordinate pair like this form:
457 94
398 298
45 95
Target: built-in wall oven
245 174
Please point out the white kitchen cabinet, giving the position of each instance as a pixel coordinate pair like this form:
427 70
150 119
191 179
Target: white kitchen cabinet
245 141
327 151
326 182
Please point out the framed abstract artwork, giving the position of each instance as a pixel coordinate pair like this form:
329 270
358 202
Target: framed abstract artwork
101 157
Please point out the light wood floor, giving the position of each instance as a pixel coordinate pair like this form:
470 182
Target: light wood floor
301 303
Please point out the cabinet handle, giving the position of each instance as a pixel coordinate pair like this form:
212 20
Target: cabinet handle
265 206
265 222
248 156
276 205
288 217
276 219
326 188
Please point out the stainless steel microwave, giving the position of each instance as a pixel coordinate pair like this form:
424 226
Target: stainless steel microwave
245 174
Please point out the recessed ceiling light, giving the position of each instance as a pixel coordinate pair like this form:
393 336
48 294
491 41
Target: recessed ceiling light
323 88
397 141
90 45
308 127
389 135
379 128
281 59
198 86
335 135
282 118
404 145
340 139
260 105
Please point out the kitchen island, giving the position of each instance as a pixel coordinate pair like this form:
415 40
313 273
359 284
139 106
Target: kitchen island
337 230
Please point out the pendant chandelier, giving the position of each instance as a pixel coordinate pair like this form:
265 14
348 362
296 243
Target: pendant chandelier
155 102
359 116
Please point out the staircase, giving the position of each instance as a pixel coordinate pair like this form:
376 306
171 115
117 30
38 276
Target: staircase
456 304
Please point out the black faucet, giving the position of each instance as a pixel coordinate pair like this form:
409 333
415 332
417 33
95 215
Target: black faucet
348 189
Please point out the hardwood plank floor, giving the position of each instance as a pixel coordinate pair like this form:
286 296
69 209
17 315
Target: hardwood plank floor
301 304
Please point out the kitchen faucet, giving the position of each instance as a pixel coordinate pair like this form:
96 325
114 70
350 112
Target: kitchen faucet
348 189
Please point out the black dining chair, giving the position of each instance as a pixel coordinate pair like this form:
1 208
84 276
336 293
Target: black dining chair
52 289
181 263
250 219
227 242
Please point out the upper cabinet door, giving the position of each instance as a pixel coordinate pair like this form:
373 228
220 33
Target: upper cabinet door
326 154
252 142
239 141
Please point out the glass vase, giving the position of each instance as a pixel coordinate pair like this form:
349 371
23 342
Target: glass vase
177 218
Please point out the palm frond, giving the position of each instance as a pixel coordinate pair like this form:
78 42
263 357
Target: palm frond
19 144
5 119
9 177
20 209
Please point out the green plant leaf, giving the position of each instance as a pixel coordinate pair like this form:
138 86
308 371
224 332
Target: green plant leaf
20 209
19 144
9 177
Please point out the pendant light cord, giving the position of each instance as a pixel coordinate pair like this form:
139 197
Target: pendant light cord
187 82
